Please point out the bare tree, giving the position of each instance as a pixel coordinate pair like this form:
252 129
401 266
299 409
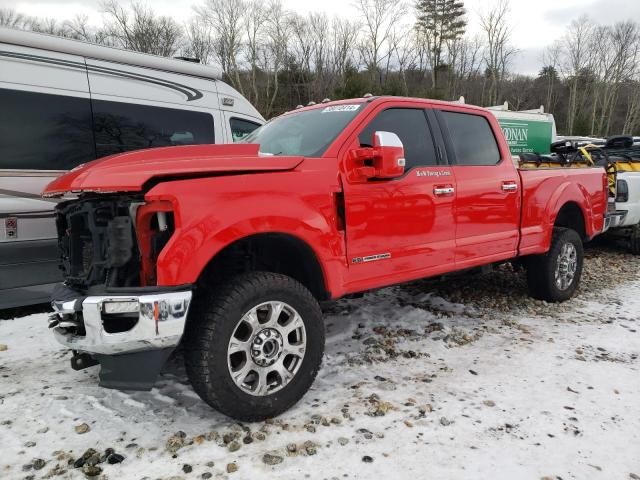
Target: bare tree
277 34
199 41
319 26
344 37
403 52
577 56
550 64
379 18
499 51
226 19
141 29
632 115
254 26
302 51
79 28
624 44
10 18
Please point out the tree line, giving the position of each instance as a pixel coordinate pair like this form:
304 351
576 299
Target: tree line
278 59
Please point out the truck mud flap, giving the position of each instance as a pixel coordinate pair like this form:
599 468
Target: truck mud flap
132 371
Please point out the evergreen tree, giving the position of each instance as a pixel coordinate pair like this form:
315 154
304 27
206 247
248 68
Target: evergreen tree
440 22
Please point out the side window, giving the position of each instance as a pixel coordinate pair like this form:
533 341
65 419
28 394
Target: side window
472 138
410 124
39 131
241 128
120 127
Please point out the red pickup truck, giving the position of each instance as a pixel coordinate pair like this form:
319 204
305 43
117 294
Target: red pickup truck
228 248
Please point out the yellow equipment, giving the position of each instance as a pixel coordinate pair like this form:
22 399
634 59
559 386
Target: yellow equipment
613 160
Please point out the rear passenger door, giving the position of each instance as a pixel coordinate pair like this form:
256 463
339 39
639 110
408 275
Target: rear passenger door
487 197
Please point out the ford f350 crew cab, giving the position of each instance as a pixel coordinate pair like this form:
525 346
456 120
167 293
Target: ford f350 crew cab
228 248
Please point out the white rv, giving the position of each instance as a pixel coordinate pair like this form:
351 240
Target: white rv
63 103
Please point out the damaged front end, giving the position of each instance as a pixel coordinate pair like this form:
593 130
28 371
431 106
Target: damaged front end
109 309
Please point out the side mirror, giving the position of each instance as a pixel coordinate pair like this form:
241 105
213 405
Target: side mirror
388 155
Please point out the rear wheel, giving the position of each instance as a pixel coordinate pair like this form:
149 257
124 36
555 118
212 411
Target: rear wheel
634 240
253 348
555 276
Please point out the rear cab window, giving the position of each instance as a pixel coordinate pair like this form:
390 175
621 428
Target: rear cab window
471 138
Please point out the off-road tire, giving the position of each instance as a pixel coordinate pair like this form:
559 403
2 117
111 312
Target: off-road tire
634 240
212 320
541 269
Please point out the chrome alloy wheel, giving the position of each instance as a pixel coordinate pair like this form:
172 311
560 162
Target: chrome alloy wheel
566 266
266 348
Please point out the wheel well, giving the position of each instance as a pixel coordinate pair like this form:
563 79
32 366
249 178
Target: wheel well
571 216
268 252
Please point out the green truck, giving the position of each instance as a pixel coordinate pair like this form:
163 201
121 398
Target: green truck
526 131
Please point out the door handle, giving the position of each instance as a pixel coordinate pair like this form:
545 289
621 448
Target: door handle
443 190
509 187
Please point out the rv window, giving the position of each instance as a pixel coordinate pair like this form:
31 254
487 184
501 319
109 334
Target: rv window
39 131
120 127
241 128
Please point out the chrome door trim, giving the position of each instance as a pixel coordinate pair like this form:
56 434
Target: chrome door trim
31 173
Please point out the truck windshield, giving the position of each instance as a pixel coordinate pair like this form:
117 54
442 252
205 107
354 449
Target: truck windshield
307 133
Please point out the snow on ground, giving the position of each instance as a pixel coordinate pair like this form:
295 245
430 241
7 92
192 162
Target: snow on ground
456 379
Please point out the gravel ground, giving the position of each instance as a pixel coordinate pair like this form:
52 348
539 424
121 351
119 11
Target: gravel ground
461 378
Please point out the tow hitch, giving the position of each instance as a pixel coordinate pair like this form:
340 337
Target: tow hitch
80 361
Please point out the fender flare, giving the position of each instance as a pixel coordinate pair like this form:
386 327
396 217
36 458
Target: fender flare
568 192
190 250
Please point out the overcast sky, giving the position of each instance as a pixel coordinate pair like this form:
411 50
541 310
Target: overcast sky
536 23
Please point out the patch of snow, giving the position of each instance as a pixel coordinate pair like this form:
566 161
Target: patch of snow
421 385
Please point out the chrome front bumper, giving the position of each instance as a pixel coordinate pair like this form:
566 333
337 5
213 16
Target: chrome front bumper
159 322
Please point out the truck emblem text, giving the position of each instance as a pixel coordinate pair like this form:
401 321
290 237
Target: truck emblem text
371 258
433 173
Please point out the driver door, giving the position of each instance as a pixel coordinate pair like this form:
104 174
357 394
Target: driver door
402 228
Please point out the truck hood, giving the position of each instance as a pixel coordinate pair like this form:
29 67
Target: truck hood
129 172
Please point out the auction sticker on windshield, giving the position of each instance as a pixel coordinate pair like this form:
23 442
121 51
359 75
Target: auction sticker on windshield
341 108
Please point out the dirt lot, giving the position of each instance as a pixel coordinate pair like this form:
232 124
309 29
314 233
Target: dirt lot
462 378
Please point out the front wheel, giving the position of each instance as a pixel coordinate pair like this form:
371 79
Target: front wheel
253 348
555 276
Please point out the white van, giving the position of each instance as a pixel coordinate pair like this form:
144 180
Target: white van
63 103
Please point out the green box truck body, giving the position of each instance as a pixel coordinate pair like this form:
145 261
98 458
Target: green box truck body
529 131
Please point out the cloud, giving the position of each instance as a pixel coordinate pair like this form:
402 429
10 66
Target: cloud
601 11
527 61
